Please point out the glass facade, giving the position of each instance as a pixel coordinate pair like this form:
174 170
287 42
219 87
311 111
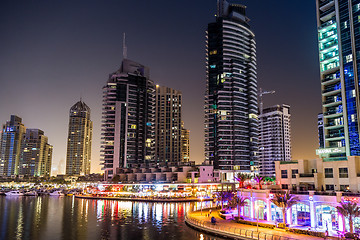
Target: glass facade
231 122
301 215
327 218
339 48
260 209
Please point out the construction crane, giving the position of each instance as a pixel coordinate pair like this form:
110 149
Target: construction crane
260 96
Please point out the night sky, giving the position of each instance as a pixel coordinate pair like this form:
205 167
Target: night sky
54 52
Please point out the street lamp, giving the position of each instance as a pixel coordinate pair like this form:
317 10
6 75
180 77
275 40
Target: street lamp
201 199
257 217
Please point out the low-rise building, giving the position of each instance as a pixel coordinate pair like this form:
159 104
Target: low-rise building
319 174
314 210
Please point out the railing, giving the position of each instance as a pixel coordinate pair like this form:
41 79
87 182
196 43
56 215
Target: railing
232 231
306 175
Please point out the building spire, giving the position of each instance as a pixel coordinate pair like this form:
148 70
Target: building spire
124 47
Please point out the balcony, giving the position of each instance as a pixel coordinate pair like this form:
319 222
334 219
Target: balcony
333 125
331 90
306 175
332 102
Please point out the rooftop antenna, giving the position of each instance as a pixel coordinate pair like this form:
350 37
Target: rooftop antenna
124 47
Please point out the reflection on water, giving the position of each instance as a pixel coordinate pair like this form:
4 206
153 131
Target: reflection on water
71 218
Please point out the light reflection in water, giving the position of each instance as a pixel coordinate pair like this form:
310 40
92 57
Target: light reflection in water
39 218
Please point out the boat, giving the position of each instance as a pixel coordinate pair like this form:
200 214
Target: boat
57 193
31 193
14 193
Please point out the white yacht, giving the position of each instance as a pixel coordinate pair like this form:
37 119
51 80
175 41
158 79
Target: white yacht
31 193
57 193
14 193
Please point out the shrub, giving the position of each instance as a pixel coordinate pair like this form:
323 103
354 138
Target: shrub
264 225
351 235
283 225
307 232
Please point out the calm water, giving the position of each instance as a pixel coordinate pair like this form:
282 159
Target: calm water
71 218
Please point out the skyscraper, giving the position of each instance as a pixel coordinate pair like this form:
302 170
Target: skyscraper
128 118
11 138
275 138
185 144
231 111
36 154
168 125
339 50
78 155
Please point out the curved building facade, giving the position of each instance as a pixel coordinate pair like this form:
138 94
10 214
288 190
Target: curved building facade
78 155
128 131
231 111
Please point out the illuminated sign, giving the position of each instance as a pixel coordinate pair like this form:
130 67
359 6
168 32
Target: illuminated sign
322 151
351 199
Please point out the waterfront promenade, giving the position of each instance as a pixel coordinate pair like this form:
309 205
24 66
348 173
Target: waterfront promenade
143 199
231 229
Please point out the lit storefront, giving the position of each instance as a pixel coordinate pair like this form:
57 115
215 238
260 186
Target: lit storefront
261 209
327 218
301 214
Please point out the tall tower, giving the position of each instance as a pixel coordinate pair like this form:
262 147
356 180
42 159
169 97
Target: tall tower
185 144
128 118
36 154
339 45
231 111
168 125
10 147
275 141
79 140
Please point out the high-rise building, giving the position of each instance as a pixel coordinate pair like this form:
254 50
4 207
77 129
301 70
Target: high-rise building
321 133
275 138
128 128
11 138
78 157
231 111
168 125
36 154
185 144
339 53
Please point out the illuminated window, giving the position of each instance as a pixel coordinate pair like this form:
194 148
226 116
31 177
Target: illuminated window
213 66
133 126
343 173
213 52
349 58
353 118
352 93
252 115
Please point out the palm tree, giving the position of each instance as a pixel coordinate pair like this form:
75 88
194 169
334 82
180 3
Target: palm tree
223 196
349 210
284 202
241 178
259 180
239 202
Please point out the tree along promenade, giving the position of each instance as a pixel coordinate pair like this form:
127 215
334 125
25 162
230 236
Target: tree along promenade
201 220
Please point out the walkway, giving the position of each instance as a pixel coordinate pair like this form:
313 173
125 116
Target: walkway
235 230
139 199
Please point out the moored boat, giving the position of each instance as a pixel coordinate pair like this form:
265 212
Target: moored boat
31 193
14 193
57 193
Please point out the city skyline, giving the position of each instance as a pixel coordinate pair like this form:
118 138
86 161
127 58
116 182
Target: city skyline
59 56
